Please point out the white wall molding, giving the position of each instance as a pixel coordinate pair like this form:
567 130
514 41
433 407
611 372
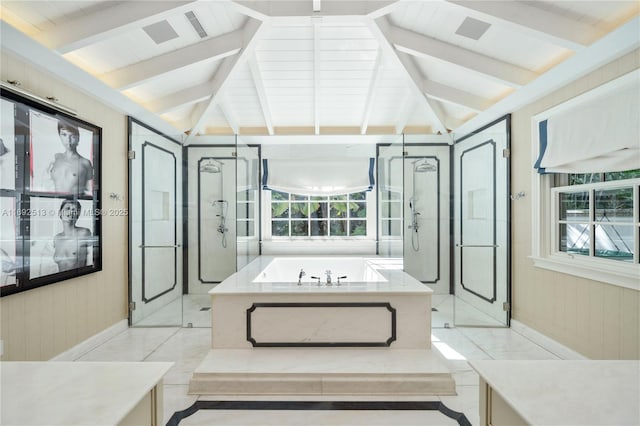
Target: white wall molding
546 342
92 342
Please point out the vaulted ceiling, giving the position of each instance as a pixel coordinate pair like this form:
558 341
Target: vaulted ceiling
323 66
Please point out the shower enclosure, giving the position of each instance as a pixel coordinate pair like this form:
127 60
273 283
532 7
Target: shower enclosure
155 227
426 214
215 189
437 211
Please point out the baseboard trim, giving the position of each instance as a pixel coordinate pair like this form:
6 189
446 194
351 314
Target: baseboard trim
92 342
546 342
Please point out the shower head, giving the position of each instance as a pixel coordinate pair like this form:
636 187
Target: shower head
210 167
424 167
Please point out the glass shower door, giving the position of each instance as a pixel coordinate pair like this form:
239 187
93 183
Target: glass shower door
390 166
481 227
247 203
156 228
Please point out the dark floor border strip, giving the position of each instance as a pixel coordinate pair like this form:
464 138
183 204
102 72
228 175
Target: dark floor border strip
177 417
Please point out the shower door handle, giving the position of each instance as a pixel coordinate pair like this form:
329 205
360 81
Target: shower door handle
477 245
145 246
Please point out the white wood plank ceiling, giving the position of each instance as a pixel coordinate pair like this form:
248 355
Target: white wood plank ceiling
320 66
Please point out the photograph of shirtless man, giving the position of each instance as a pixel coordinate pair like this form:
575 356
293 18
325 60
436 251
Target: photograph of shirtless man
71 245
70 171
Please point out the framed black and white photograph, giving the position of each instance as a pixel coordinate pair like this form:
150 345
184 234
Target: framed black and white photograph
61 236
61 155
50 192
9 260
7 146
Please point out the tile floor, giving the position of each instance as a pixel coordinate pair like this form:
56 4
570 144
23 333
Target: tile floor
187 346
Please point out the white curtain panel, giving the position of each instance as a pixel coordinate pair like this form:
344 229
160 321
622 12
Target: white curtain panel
318 177
598 135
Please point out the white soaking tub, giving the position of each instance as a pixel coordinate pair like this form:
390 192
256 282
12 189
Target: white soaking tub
262 305
348 269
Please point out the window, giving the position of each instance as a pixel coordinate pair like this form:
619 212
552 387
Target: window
391 214
246 213
595 215
587 224
294 215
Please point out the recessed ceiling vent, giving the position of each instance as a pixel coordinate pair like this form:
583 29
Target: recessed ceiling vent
161 31
472 28
195 23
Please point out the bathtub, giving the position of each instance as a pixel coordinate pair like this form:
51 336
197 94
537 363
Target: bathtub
349 269
377 305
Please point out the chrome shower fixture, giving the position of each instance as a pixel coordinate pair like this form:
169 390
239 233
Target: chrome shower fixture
211 166
222 226
421 165
426 166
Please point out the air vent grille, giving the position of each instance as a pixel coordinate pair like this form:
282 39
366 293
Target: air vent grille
160 32
472 28
195 23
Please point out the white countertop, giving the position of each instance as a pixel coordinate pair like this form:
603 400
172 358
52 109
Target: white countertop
241 282
74 393
584 392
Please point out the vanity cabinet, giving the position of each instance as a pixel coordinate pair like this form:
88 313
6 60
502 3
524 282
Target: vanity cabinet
82 393
559 392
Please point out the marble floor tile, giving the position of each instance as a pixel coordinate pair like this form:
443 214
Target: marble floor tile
501 340
467 401
466 378
169 315
186 349
188 346
133 344
317 418
196 310
532 354
175 398
456 349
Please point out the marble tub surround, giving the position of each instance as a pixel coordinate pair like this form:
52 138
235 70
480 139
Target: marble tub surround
81 393
563 392
304 321
357 314
359 338
322 371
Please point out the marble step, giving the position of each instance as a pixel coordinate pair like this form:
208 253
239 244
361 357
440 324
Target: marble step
322 371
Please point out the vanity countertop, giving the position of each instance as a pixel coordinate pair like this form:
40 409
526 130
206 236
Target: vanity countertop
74 393
563 392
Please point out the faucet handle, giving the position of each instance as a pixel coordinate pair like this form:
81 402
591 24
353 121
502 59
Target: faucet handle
316 278
341 278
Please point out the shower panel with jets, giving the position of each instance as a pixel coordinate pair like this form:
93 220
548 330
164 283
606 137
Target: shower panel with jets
221 206
421 165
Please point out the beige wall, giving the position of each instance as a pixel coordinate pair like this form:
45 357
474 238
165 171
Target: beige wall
41 323
598 320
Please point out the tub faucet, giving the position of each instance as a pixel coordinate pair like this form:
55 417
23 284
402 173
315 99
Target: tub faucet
328 273
300 275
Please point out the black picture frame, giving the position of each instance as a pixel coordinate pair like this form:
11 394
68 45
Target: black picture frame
50 195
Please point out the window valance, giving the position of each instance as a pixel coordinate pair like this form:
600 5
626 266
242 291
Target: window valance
318 177
601 133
